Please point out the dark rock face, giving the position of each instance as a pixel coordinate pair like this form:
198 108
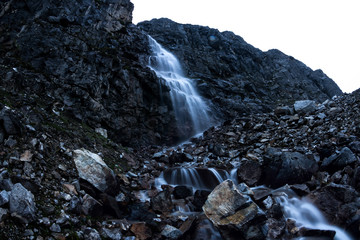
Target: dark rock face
89 62
237 77
281 168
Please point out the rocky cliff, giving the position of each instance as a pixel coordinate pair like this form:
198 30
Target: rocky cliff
85 60
235 76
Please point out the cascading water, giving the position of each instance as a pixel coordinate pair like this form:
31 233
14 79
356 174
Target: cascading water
188 106
307 215
196 178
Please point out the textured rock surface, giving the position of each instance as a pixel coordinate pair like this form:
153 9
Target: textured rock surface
93 169
231 211
89 62
237 77
22 203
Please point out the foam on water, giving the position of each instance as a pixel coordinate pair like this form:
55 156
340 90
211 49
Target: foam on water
187 103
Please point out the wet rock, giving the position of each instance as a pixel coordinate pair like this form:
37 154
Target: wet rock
170 232
316 233
94 170
304 106
339 160
141 231
282 168
182 192
140 212
233 213
162 202
276 228
200 198
332 198
22 203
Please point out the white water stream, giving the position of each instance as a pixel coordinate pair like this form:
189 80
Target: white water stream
187 104
307 215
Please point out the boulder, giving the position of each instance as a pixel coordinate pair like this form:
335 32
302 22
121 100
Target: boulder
22 203
339 160
249 171
141 231
90 206
234 214
94 170
182 192
282 168
170 232
162 202
304 106
338 202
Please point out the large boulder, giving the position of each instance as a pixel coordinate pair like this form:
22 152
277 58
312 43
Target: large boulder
304 106
339 160
22 203
234 214
94 170
282 168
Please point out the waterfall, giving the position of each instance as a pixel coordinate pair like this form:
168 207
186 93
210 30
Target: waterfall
196 178
188 106
307 215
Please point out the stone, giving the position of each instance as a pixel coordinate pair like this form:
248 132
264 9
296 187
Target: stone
113 233
200 197
102 132
94 170
4 197
90 206
91 234
304 106
26 156
339 160
162 202
141 231
282 168
3 213
182 192
170 232
231 211
55 228
22 203
249 171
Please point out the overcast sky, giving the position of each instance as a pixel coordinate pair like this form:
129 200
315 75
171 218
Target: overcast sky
323 34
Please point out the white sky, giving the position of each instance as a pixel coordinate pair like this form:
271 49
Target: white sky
323 34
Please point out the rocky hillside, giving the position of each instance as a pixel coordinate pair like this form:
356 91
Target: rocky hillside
88 61
234 75
76 92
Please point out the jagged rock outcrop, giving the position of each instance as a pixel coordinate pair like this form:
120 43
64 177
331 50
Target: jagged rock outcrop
89 62
234 75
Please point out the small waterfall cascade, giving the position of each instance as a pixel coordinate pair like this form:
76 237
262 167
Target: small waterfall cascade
189 108
196 178
307 215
